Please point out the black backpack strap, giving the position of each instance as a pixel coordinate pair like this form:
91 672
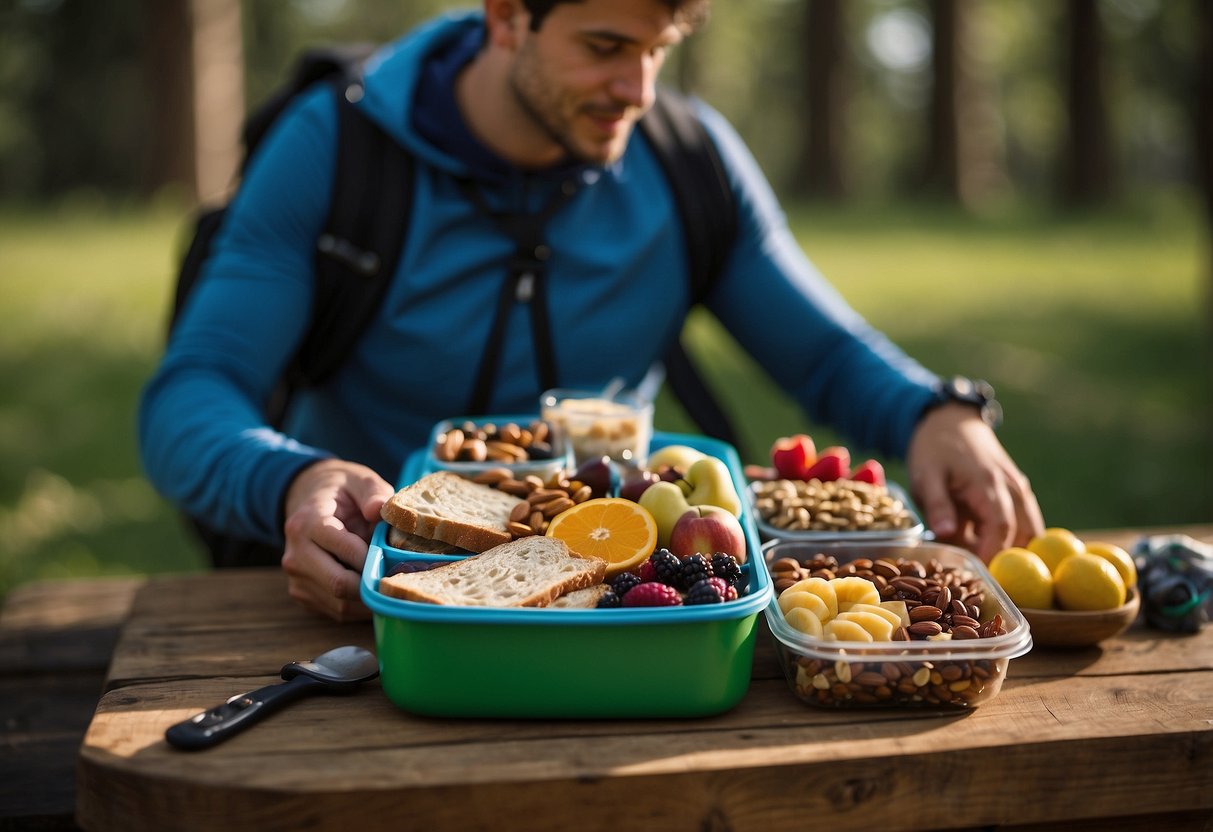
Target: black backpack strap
709 219
359 249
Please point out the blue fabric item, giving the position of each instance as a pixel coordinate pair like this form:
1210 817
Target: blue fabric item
617 289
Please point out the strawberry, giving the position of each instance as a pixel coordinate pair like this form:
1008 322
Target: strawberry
870 472
792 456
652 595
834 463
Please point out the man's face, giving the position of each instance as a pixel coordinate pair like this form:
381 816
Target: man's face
588 74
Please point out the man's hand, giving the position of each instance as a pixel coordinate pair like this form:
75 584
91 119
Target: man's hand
331 510
969 490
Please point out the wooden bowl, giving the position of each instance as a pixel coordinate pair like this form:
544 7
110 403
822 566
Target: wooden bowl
1065 628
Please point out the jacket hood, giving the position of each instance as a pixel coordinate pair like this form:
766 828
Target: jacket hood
393 84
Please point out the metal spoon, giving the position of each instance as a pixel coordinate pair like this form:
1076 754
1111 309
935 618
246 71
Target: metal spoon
340 670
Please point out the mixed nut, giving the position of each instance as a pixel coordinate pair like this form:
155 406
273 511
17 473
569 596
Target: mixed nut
544 498
488 442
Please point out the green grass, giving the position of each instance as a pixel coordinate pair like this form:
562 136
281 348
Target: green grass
1093 329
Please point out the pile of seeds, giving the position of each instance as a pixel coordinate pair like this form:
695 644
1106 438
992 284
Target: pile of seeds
838 505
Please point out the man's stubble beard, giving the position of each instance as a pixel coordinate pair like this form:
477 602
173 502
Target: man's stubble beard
553 111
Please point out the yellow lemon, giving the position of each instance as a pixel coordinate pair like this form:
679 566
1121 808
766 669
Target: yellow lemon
1025 577
1088 582
1119 558
1055 545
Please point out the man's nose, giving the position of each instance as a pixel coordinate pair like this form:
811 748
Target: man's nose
636 82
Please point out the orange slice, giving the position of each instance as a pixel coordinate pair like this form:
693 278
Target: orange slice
619 531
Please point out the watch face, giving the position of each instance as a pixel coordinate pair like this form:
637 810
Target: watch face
978 393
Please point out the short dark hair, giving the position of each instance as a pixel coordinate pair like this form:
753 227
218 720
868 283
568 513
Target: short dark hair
688 13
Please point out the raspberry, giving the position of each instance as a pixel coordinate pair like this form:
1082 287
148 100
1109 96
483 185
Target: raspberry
694 569
624 581
609 600
652 595
647 572
666 566
727 592
705 592
726 566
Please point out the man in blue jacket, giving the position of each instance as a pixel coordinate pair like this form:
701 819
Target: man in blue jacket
526 99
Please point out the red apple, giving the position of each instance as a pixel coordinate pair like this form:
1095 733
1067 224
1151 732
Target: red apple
834 463
706 530
792 455
870 472
635 484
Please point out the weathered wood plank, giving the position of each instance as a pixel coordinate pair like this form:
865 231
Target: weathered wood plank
1140 745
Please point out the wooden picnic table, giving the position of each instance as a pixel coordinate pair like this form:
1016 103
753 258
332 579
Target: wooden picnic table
1117 736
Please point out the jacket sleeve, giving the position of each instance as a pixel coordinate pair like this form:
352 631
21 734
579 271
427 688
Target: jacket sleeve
789 318
203 439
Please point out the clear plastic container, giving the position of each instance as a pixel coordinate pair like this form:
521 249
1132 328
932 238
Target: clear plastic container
915 528
889 674
619 426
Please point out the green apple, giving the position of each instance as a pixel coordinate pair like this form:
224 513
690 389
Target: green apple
665 501
673 456
709 483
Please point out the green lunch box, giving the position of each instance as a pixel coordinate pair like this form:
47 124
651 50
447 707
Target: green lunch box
577 663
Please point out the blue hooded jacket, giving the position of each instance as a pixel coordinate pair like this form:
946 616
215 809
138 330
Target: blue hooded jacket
617 294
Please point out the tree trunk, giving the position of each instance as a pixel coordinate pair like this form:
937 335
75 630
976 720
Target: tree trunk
1203 135
965 151
218 58
1087 176
169 83
822 161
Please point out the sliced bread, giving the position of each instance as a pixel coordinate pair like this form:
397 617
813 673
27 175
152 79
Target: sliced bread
528 572
445 506
416 543
581 599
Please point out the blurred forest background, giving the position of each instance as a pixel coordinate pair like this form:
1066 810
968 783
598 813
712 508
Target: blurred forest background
1016 191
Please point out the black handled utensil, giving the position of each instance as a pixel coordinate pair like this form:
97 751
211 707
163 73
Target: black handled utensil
338 671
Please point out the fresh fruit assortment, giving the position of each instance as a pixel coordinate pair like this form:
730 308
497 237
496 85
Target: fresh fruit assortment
1057 570
885 600
488 442
838 505
666 580
797 458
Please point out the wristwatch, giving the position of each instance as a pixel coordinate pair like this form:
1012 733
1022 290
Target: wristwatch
973 392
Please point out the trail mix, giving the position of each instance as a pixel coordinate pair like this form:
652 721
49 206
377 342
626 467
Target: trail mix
942 604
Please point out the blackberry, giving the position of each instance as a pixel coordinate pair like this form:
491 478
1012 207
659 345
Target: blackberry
694 569
666 566
703 592
726 566
609 600
624 581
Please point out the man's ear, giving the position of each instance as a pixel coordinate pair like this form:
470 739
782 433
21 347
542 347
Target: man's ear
506 22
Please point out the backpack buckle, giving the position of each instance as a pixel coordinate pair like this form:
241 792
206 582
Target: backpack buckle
357 260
